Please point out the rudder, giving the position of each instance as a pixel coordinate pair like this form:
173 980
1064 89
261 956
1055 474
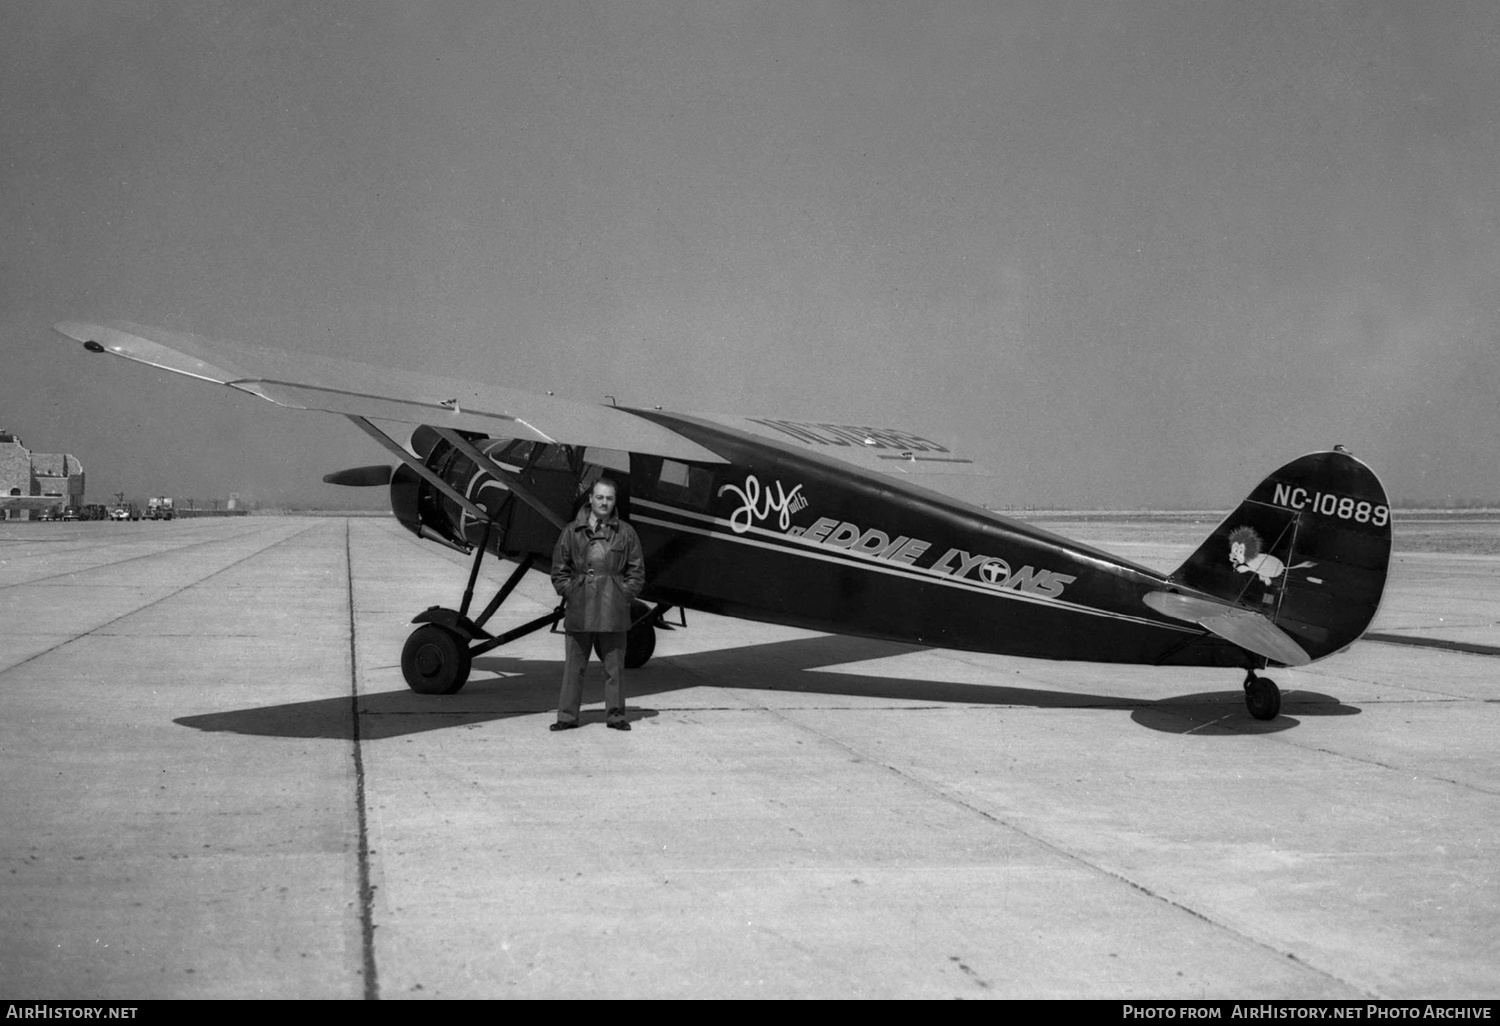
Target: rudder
1309 548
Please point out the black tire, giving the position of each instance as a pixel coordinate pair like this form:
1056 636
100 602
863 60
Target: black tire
639 645
435 661
640 641
1263 698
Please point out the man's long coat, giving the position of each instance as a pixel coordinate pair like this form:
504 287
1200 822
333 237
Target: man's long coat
598 597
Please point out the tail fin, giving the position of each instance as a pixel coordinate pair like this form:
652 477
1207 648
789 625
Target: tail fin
1309 549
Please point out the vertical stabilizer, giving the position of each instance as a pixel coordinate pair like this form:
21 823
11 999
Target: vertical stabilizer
1309 548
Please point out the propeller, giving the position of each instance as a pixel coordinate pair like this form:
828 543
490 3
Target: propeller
361 477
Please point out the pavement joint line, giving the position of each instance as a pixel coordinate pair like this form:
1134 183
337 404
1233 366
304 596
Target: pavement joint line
1443 697
131 559
147 555
1209 723
958 800
1440 696
154 602
1403 770
200 634
1284 739
366 891
659 709
1180 712
1441 644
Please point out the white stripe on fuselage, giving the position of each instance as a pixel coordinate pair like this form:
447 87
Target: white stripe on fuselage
815 550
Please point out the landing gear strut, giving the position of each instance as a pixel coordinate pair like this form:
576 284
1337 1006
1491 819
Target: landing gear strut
439 653
1262 696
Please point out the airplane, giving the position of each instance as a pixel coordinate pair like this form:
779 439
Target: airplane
825 527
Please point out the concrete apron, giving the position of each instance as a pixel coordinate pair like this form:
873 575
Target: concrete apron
188 813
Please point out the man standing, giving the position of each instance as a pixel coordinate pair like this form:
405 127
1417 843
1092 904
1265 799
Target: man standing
598 567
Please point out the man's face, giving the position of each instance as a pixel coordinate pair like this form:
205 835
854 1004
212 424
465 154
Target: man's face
602 500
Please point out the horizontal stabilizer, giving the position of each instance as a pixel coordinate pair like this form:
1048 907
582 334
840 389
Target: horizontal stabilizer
1243 627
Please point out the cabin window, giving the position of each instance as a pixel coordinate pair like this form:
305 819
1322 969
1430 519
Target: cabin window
685 484
518 451
555 457
610 463
615 462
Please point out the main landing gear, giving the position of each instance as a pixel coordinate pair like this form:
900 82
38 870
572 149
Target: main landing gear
1262 696
439 653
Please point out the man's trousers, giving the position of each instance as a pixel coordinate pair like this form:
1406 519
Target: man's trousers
576 647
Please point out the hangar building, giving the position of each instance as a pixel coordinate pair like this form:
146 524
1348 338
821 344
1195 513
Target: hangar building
37 477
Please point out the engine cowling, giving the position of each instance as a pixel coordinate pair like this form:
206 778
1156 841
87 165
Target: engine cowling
551 473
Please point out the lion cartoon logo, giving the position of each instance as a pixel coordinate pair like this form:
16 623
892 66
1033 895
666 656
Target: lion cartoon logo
1246 557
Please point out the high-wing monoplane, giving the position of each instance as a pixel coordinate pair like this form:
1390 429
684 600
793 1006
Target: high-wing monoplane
815 525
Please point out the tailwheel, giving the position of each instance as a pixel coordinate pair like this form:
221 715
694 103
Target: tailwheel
435 661
1262 697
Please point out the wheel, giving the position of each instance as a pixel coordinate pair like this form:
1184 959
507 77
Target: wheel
1262 698
639 644
435 661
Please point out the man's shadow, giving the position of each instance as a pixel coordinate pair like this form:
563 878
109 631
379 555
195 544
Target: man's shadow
502 687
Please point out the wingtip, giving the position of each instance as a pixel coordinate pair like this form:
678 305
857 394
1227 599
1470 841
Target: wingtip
78 331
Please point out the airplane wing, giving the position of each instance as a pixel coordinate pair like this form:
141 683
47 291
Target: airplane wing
1244 627
305 382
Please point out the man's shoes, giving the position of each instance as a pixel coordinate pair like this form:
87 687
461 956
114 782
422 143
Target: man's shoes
563 726
618 725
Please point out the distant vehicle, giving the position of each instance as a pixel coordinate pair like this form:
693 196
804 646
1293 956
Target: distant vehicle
159 507
70 513
119 513
51 513
94 511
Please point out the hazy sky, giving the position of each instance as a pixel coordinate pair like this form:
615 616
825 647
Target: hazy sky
1127 254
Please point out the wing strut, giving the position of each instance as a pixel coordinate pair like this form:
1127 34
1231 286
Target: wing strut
418 466
522 492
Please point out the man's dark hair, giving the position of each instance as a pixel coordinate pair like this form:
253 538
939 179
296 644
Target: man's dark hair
614 487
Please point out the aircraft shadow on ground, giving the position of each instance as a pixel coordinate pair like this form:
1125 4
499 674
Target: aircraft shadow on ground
502 687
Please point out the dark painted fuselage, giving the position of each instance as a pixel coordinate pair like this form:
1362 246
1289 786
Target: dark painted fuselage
797 539
791 537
